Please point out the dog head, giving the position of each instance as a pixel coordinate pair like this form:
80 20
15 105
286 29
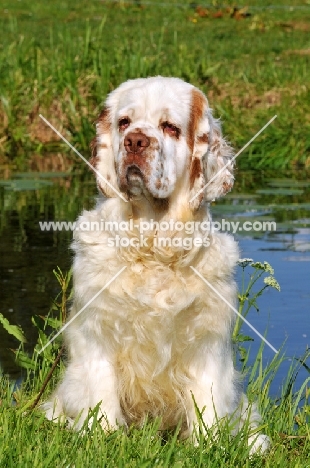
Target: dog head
156 137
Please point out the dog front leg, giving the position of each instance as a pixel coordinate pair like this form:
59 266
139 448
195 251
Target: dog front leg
214 390
86 385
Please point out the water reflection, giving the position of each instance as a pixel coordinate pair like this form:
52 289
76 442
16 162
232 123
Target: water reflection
29 256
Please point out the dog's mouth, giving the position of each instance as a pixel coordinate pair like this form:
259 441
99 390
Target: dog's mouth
136 187
134 176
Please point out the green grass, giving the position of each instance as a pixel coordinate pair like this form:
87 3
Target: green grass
62 58
28 440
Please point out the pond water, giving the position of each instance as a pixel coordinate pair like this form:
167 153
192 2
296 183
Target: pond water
28 256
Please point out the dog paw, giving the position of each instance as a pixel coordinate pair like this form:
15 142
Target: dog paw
259 444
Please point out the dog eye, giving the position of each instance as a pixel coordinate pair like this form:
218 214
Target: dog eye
171 129
123 123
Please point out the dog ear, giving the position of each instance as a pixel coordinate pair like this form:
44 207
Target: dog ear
102 158
210 153
218 164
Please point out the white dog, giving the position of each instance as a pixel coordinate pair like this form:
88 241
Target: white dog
156 338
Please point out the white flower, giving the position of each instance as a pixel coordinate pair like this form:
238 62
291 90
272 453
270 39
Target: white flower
244 262
257 265
263 266
271 281
268 268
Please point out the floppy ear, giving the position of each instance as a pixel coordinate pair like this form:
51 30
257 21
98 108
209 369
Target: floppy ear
102 158
219 156
210 154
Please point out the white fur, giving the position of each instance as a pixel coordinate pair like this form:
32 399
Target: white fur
157 336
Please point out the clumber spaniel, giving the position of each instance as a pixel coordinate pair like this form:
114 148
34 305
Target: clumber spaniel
156 338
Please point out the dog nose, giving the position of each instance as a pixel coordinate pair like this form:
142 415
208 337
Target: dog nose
136 142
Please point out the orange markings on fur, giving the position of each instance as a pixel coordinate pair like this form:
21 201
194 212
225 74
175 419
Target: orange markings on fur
94 157
103 127
227 187
195 171
104 124
203 139
197 106
103 121
216 143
